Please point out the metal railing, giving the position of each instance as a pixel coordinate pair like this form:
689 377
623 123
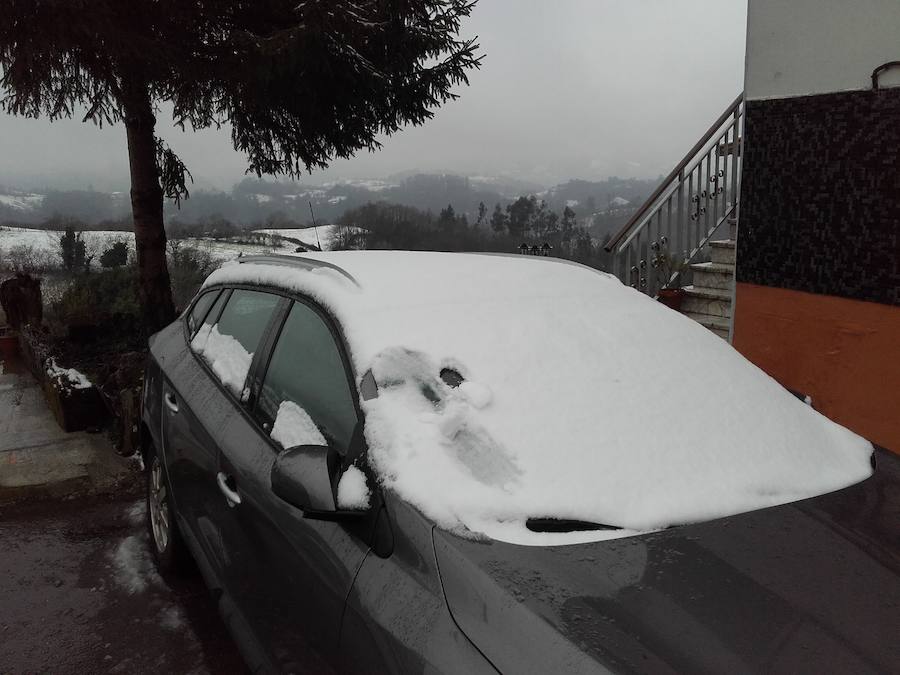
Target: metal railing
673 227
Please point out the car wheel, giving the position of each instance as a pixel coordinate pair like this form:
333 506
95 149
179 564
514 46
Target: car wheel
165 539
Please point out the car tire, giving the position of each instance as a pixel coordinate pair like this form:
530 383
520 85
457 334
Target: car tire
166 544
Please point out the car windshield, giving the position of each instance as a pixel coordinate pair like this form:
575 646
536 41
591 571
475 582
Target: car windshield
576 399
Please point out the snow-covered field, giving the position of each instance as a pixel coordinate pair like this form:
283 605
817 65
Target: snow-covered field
47 242
22 201
307 234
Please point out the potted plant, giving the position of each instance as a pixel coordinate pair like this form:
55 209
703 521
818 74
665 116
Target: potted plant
74 400
667 266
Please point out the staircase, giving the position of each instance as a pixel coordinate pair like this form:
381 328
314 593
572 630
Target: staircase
708 300
677 238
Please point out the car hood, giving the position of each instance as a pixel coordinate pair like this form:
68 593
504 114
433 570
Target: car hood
810 586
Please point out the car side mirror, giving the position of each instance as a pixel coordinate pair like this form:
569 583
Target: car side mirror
303 477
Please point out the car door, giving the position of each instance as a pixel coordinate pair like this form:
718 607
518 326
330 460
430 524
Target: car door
191 412
197 406
290 575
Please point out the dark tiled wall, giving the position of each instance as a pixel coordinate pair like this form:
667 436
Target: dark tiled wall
820 198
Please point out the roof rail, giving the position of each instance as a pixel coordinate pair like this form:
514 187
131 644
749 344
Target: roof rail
296 261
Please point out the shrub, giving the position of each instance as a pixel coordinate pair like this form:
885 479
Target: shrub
28 259
107 299
72 251
188 268
115 256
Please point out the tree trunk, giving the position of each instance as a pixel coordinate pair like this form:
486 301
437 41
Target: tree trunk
154 289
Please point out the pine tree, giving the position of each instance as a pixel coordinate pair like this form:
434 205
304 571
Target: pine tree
73 251
567 229
447 219
299 83
521 214
482 214
498 220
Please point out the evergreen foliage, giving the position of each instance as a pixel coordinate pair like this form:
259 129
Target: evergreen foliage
299 84
390 226
115 256
72 251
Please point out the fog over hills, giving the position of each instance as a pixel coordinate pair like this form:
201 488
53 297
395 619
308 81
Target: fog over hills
257 202
568 89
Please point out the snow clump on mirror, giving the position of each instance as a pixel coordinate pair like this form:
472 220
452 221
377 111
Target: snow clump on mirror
353 492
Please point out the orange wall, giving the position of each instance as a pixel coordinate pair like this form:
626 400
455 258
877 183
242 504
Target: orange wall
843 353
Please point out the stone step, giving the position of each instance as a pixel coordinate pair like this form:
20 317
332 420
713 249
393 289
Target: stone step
713 275
732 228
717 324
714 302
722 251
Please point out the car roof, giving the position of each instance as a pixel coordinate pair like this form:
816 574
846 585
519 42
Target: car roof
400 270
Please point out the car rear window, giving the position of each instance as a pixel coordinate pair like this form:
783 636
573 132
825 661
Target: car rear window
200 310
229 345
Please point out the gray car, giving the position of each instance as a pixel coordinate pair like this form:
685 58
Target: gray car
309 580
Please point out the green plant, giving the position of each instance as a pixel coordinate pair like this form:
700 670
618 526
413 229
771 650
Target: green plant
189 268
374 67
115 256
665 264
72 251
97 299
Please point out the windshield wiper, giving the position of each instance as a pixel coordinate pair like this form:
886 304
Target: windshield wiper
565 525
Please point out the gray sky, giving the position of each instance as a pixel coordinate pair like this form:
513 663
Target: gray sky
568 89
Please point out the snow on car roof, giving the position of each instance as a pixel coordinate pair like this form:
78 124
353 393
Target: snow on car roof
582 398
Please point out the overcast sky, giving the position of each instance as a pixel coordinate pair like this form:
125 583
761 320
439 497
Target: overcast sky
568 89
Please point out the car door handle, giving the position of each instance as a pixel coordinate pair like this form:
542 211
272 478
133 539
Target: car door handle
231 496
171 403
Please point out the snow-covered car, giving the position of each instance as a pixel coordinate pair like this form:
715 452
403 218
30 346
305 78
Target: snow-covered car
404 462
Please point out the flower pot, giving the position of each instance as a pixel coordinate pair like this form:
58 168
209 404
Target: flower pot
9 347
671 297
74 409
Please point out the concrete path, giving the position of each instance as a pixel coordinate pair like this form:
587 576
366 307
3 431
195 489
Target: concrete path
37 458
80 594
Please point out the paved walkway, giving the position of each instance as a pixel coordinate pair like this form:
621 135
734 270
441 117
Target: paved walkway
80 594
39 458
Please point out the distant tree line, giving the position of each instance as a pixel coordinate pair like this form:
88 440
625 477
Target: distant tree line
256 203
526 220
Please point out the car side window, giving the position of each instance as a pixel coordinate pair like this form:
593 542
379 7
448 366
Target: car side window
199 310
228 345
306 398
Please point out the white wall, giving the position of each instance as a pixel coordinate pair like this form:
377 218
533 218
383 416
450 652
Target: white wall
801 47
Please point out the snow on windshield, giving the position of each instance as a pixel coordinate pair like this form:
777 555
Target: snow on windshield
225 355
582 398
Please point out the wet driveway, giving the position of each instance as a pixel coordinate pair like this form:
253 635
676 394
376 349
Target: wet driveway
80 594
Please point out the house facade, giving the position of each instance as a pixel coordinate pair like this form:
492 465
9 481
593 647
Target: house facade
817 274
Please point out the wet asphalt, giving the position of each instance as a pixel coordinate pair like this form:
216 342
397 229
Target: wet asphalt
79 593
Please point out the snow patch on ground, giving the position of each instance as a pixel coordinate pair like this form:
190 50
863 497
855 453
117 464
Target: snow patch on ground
590 400
97 241
69 377
293 426
137 512
133 566
172 619
225 355
353 492
307 235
